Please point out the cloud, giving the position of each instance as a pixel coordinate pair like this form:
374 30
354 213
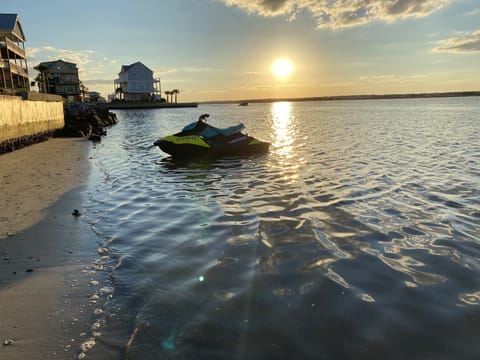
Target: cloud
468 43
48 53
393 78
342 14
194 69
474 12
170 71
265 7
101 81
90 64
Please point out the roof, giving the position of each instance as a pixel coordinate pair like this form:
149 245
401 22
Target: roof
125 68
51 63
10 23
68 67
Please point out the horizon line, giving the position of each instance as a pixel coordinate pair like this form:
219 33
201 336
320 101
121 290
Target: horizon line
349 97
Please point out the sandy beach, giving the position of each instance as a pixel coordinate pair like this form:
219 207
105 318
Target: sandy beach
46 252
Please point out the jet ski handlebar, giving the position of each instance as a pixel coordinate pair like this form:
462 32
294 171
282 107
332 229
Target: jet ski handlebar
203 117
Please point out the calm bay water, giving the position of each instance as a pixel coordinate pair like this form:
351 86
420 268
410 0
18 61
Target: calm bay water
357 236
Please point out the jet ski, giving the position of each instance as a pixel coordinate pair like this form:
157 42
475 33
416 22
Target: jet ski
200 139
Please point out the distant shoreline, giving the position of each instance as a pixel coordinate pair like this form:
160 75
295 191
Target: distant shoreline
146 105
351 97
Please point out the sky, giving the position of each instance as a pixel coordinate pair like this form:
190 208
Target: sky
224 49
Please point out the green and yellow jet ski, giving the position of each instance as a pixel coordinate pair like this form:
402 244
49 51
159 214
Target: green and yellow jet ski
200 139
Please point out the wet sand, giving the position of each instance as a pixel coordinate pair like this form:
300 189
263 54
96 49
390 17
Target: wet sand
46 252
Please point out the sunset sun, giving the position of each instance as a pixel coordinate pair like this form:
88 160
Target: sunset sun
282 68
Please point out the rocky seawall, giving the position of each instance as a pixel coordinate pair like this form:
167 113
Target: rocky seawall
13 144
86 120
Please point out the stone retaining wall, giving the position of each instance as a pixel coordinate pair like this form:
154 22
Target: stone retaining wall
21 120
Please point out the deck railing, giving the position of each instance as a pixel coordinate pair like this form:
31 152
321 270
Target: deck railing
16 69
15 48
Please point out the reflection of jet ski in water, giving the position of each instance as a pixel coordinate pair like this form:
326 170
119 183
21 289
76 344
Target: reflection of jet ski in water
200 139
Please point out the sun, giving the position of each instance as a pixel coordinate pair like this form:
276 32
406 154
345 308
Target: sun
282 68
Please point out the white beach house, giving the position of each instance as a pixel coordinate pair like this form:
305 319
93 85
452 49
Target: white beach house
136 83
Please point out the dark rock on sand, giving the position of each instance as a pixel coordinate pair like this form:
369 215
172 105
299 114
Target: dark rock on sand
8 342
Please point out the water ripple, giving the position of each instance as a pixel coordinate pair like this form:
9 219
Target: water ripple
358 233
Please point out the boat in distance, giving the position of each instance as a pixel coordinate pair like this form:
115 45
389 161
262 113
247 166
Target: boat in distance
199 139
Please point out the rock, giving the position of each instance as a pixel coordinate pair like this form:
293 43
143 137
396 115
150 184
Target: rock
86 120
8 342
95 137
23 141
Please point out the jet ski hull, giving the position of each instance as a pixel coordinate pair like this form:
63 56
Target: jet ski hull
194 146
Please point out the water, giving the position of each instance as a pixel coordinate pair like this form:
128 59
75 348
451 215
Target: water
357 236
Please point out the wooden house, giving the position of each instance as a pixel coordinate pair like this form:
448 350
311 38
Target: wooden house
59 77
13 59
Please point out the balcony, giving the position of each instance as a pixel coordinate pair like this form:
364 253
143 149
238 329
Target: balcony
63 81
16 69
15 48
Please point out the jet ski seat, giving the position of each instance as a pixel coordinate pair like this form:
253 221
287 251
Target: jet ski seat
212 131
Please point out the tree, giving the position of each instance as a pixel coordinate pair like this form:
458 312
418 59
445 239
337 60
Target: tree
175 91
42 78
83 90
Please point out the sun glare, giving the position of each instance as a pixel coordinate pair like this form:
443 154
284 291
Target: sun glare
282 68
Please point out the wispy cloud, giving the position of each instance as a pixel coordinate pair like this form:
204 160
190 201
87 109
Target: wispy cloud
101 81
470 42
393 78
90 65
342 14
49 53
474 12
182 70
158 72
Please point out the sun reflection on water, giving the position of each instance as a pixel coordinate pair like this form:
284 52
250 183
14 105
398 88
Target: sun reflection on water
284 137
283 128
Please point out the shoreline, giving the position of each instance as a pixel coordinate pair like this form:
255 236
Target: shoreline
147 105
46 258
